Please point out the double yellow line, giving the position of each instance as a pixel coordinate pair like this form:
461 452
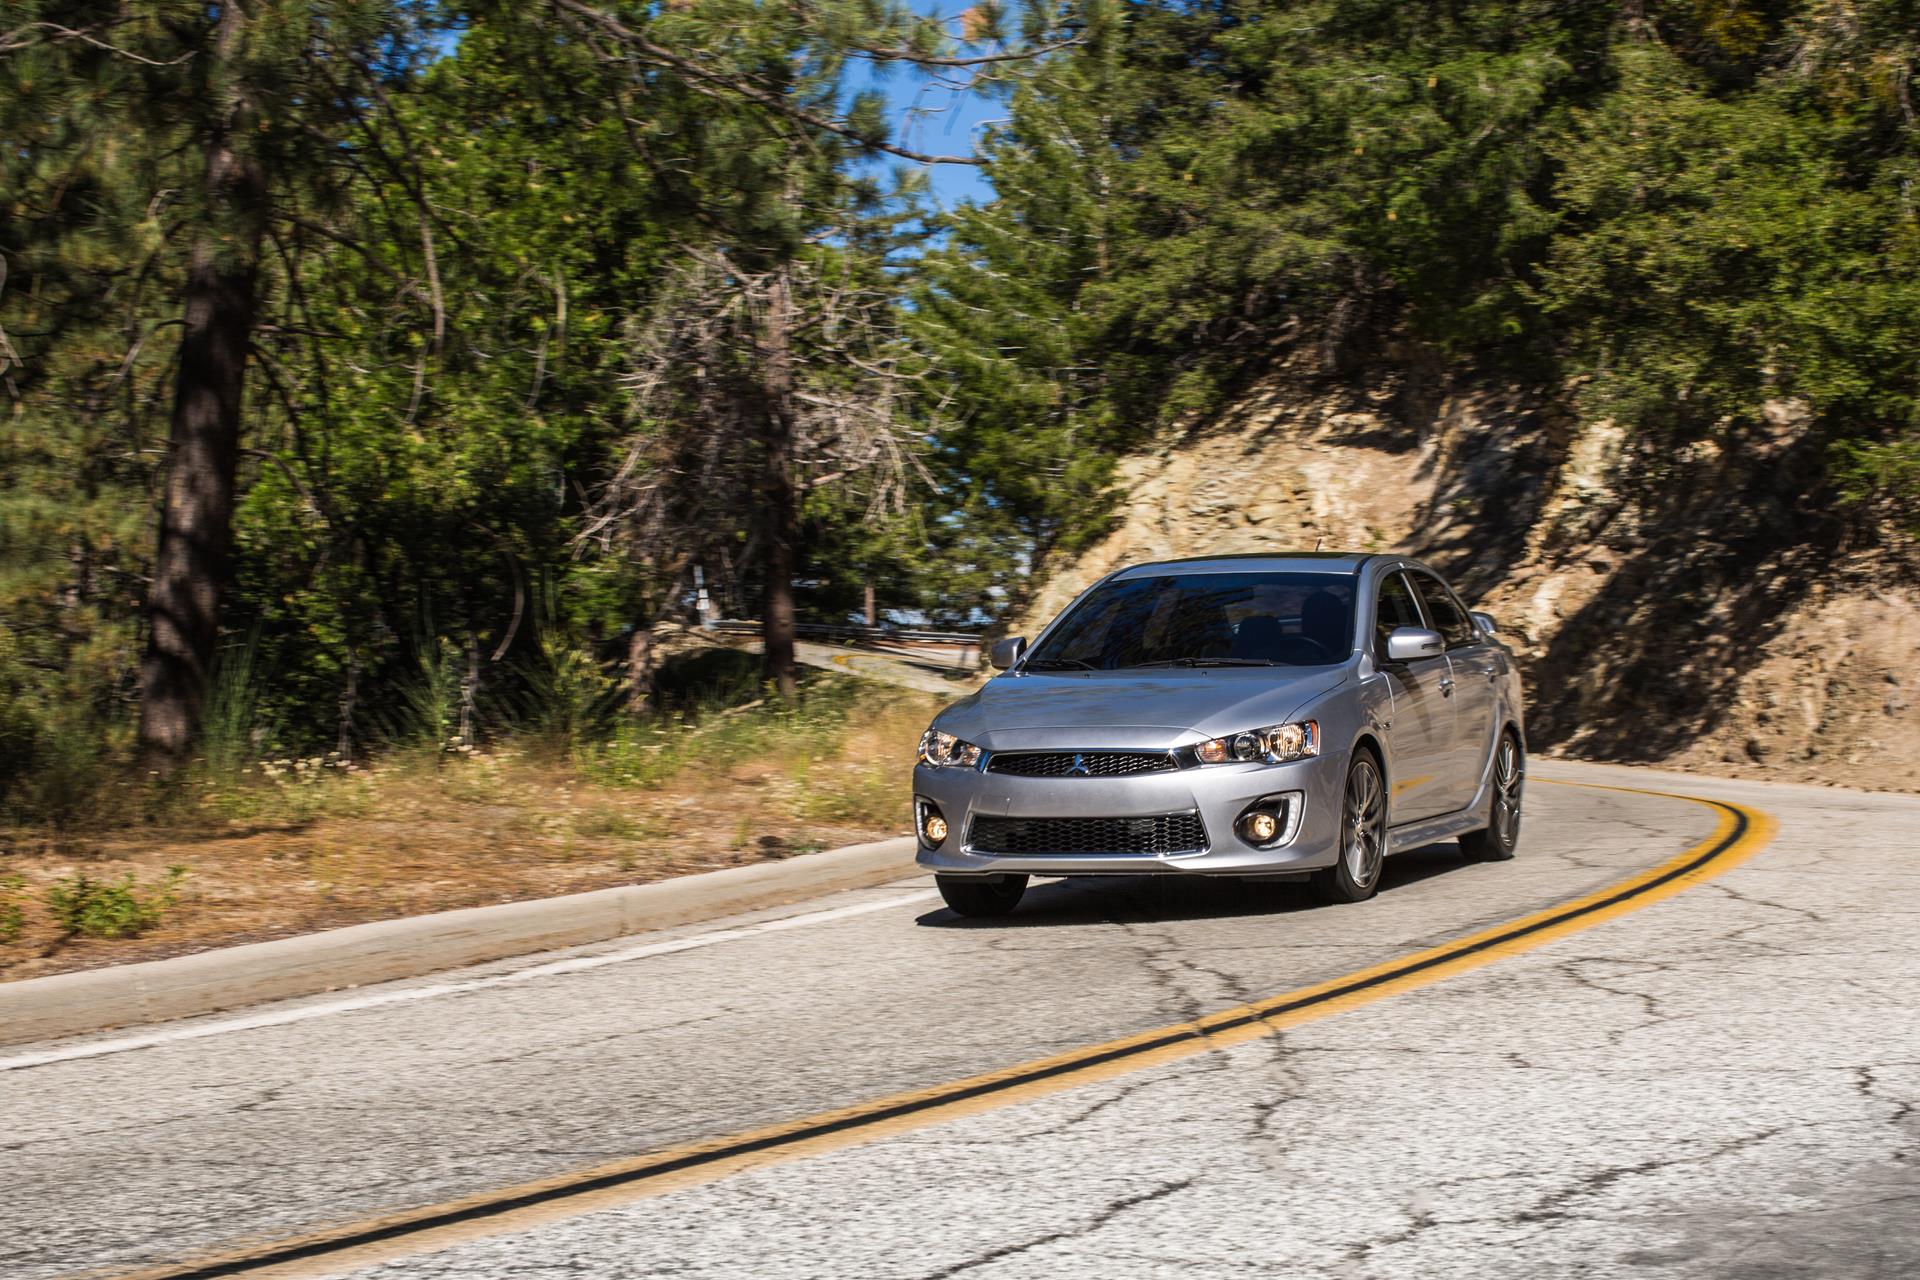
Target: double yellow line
1739 833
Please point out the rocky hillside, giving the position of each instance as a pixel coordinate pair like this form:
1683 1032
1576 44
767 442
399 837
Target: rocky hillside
1697 610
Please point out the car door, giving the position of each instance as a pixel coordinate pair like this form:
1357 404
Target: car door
1471 692
1421 731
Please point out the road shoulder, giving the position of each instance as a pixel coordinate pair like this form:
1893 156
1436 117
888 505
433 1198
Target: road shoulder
229 977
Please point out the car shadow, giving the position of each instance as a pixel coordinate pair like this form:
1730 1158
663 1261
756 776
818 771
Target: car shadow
1095 900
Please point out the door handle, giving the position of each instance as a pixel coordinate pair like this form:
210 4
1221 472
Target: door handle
1446 686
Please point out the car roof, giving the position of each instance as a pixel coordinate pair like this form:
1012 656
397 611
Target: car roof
1255 562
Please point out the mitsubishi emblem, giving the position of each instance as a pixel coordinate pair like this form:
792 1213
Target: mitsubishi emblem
1079 766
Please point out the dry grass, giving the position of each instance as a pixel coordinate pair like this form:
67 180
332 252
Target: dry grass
317 847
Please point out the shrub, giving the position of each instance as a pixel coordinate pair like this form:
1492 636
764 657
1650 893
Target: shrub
569 694
11 916
227 726
111 909
19 735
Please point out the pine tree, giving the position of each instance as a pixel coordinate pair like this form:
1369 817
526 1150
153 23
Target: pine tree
1003 305
225 120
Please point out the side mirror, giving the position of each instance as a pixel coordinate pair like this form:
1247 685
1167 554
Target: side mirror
1007 652
1487 624
1410 644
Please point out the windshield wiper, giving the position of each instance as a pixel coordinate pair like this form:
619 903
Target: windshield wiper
1057 664
1209 662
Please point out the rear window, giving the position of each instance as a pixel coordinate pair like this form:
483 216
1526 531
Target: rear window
1206 619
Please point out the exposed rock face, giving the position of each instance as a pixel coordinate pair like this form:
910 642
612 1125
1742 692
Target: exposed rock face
1695 607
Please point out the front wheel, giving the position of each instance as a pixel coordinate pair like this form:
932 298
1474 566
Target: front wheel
1363 836
982 896
1502 835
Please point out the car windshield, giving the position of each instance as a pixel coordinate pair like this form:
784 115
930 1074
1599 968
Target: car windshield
1205 620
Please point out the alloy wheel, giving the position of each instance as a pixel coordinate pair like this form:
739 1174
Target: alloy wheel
1364 835
1508 778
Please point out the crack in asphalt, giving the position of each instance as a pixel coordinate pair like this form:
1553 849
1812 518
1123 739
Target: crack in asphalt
1126 1091
120 1129
1754 899
1552 1206
1419 1218
1652 1008
569 1046
1867 1083
1102 1217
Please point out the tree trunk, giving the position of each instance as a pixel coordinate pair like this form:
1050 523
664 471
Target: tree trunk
777 511
192 562
640 670
873 618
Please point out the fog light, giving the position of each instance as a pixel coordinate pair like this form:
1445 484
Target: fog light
934 828
1262 827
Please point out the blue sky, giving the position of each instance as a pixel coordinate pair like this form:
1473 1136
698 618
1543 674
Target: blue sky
927 117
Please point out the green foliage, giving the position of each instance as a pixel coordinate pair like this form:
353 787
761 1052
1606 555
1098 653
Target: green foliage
1884 472
57 750
13 916
120 908
228 741
1716 255
570 696
1697 215
715 729
426 709
20 727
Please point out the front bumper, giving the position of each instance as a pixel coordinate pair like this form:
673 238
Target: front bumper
1218 794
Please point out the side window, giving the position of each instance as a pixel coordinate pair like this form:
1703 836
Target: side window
1394 608
1449 619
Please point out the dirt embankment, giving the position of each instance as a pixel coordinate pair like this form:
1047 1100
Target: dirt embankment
1697 608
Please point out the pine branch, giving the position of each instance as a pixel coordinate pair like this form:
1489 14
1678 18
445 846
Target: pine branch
704 80
18 39
874 54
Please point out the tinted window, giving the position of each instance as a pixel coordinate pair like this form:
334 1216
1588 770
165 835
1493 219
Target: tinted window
1394 608
1256 619
1449 619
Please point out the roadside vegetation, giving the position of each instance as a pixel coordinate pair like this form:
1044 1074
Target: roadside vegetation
263 845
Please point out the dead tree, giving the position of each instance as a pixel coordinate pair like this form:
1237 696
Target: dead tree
750 390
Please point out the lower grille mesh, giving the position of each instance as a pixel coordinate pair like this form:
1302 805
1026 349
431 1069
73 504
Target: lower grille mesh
1161 834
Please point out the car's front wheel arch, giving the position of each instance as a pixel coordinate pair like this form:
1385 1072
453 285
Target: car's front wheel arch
1371 745
1363 831
1506 784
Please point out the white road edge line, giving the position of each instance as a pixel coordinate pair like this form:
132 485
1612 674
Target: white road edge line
376 1000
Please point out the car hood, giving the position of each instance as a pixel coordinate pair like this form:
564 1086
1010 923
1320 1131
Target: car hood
1158 709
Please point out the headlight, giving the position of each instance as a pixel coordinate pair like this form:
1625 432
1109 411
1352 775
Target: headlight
1275 745
942 749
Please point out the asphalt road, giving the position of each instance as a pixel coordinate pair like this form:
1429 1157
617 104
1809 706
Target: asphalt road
1720 1083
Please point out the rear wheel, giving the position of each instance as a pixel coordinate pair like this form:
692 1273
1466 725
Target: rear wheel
1363 836
980 896
1502 835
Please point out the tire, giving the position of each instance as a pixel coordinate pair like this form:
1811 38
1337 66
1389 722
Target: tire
981 897
1498 841
1355 877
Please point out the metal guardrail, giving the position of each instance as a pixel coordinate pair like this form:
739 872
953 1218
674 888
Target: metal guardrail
853 634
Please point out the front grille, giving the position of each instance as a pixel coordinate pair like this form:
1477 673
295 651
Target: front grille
1161 834
1091 764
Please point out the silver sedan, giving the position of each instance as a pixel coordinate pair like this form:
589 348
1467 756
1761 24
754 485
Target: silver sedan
1267 717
